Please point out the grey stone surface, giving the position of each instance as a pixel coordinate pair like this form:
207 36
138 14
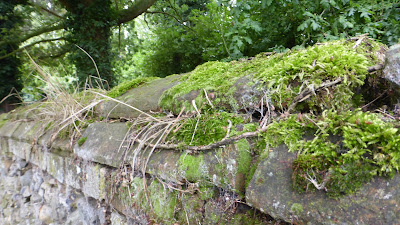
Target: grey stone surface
145 98
103 143
271 191
392 65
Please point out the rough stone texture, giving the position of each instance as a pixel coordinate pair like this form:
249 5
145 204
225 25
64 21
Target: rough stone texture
392 65
145 98
270 191
103 143
30 196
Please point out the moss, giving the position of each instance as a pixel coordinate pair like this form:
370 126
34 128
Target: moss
368 146
163 201
81 141
244 162
296 208
192 167
206 192
2 122
126 86
283 75
211 127
49 125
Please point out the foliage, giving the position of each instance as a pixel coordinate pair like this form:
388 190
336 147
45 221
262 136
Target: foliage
228 30
90 28
9 73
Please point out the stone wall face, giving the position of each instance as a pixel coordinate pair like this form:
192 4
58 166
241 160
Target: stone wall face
59 184
30 195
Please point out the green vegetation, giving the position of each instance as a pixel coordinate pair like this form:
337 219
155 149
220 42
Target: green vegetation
81 141
211 127
127 85
283 74
192 166
340 151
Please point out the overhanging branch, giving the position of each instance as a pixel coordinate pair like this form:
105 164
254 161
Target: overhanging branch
32 34
30 45
139 7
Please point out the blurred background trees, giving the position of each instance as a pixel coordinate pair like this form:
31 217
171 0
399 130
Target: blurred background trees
135 38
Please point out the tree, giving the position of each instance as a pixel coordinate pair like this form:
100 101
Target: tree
9 66
88 25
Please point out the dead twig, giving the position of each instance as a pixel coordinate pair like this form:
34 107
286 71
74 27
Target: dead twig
306 93
210 146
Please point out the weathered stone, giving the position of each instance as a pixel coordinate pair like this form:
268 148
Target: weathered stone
9 128
73 173
392 65
20 148
46 214
94 181
145 98
26 179
56 166
118 219
103 143
271 192
219 166
26 192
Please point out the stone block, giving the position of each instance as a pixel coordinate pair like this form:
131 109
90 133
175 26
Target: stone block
145 98
270 191
94 183
20 148
103 143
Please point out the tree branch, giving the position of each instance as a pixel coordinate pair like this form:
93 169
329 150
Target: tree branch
32 34
30 45
210 146
139 7
46 10
167 14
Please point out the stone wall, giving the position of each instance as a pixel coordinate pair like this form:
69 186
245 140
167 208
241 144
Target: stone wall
104 178
45 182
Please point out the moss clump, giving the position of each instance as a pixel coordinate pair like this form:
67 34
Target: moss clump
81 141
211 127
347 150
296 208
163 201
192 167
245 167
282 75
126 86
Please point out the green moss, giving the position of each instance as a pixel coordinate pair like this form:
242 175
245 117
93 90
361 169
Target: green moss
283 75
368 146
2 122
192 167
126 86
296 208
163 201
211 127
244 161
206 192
81 141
